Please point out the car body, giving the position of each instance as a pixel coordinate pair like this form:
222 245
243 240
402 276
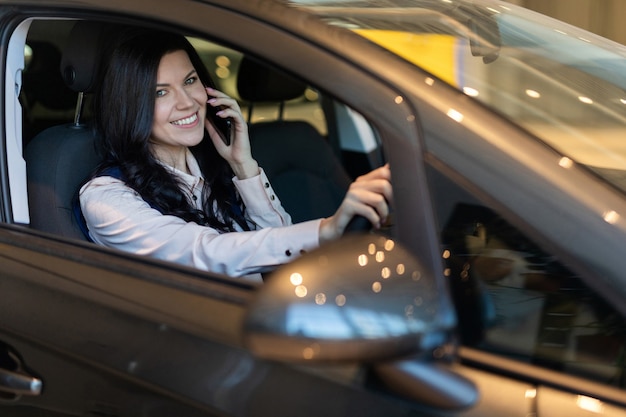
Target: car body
503 132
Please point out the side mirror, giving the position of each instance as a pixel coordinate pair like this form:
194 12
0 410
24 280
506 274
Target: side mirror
361 298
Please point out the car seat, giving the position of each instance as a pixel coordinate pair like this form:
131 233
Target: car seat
60 158
305 172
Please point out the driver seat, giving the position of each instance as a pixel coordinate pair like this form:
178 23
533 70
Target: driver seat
60 158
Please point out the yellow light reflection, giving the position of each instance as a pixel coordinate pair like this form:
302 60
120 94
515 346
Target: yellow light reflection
531 393
307 353
533 94
455 115
362 260
565 162
400 269
446 272
301 291
222 73
585 100
377 287
385 273
295 278
611 217
590 404
380 256
429 81
445 254
311 95
622 100
371 248
416 276
398 100
389 245
222 61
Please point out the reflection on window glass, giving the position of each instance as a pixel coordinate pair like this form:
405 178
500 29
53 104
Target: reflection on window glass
516 300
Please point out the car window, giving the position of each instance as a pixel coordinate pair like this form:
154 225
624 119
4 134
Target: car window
46 100
223 63
517 300
310 145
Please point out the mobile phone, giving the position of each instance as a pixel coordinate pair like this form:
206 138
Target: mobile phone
223 126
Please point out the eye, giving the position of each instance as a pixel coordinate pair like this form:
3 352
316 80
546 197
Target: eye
161 93
191 80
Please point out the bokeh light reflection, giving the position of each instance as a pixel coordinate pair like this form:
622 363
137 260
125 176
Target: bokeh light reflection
340 300
301 291
320 299
296 278
385 273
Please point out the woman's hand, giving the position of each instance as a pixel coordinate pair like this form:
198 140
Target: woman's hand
368 196
238 153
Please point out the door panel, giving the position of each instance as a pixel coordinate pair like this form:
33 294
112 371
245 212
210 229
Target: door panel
73 387
110 332
499 395
555 403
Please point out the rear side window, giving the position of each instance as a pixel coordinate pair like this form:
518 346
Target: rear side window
517 300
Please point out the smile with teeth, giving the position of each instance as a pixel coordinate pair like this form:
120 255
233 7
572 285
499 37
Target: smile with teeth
186 121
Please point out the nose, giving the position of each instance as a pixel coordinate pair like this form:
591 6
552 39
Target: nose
184 99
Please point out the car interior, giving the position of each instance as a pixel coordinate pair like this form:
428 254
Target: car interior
307 174
537 312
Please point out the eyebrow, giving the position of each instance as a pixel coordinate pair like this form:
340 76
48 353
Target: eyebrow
186 76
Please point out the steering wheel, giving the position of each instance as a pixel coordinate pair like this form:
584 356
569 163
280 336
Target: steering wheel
358 224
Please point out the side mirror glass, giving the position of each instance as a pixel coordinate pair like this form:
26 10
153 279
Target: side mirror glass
361 298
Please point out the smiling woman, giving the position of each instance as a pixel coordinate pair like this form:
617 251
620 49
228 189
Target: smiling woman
498 289
170 186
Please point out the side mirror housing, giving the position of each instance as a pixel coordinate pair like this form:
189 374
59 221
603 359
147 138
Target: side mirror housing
361 298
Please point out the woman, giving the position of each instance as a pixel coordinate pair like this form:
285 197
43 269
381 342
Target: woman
171 188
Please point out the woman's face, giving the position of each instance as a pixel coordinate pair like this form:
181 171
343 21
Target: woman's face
180 104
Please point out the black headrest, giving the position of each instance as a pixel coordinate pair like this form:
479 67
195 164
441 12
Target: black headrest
42 80
258 82
82 56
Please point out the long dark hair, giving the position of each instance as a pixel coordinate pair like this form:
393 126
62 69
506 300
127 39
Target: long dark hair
123 115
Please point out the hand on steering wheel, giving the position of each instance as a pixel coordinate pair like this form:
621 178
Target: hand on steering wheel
367 198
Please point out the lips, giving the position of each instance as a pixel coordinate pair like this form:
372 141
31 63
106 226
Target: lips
186 121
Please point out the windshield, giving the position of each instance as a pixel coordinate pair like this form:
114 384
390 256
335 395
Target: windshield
564 84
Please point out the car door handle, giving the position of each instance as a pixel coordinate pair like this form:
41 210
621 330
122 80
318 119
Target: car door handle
19 383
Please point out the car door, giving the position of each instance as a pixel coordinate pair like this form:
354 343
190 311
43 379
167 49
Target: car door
91 331
541 332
